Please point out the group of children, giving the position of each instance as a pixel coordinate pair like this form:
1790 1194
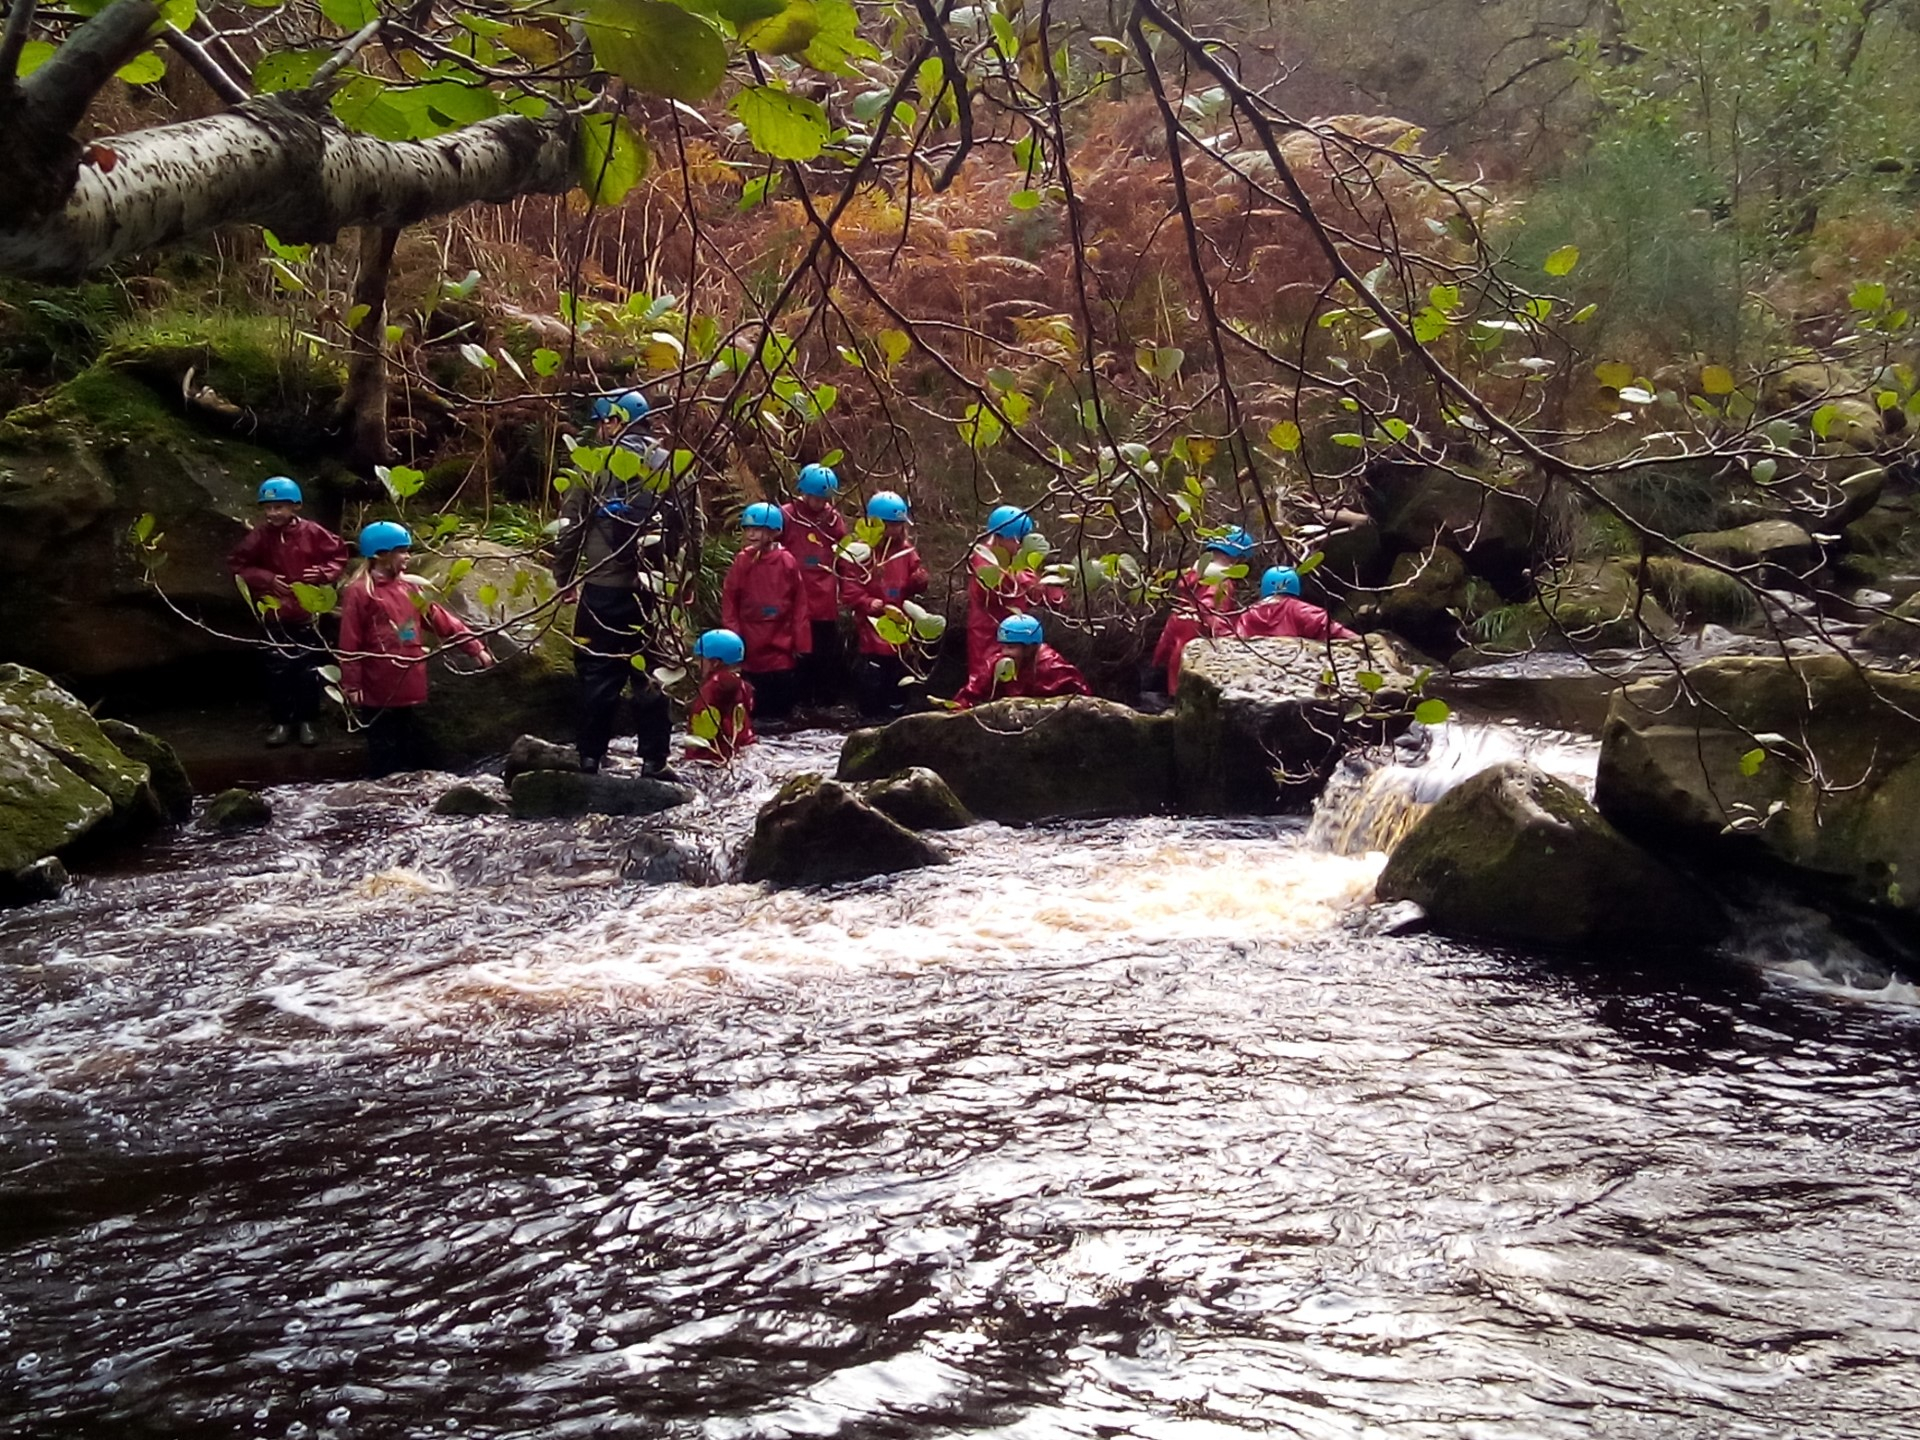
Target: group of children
779 641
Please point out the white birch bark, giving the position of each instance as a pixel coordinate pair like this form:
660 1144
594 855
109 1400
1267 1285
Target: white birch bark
284 162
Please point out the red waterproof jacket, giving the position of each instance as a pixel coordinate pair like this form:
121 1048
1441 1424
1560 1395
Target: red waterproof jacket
728 694
271 557
764 602
1018 593
1288 615
889 578
1199 608
1049 673
811 537
382 657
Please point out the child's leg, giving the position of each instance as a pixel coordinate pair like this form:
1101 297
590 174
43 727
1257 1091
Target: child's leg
772 693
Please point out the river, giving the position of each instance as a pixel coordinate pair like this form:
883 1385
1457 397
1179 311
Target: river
382 1124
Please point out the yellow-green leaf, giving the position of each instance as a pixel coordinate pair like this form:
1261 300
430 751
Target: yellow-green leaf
1284 436
1716 380
609 158
1562 261
143 69
781 124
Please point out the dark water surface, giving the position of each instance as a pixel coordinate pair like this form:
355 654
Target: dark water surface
387 1125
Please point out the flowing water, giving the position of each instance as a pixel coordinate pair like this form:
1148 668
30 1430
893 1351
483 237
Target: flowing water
381 1124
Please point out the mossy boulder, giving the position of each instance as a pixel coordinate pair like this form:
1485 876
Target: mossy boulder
820 832
1020 761
1515 856
171 786
1261 724
530 752
566 795
1699 594
1427 598
510 598
237 809
918 799
1897 633
77 472
1778 552
62 779
1491 522
1812 764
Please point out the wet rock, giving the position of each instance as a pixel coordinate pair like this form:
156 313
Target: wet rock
1832 793
1779 550
468 800
1516 856
1261 724
918 799
62 779
530 752
1427 596
236 810
564 795
1020 761
667 859
1896 633
820 832
168 777
45 879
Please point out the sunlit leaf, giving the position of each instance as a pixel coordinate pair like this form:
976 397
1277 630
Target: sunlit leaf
1562 261
1716 380
781 124
659 48
609 158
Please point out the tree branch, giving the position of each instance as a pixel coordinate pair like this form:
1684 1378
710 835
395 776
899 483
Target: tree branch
19 22
204 65
281 161
58 93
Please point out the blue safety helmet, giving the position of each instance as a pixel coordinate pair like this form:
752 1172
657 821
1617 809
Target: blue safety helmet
722 645
1020 630
818 480
1236 543
760 515
885 505
628 407
382 536
1280 580
278 487
1010 522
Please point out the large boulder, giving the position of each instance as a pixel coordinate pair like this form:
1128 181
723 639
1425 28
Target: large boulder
1516 856
1491 522
1261 723
62 780
819 832
77 473
237 809
566 795
1813 763
1896 633
171 786
1020 761
1776 551
1428 596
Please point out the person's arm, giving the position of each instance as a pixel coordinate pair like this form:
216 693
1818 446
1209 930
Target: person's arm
919 581
977 691
353 639
572 536
797 606
730 594
450 628
332 561
249 564
1054 674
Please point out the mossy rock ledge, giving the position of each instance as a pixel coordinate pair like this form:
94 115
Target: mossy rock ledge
1678 770
1515 856
819 832
62 779
1021 761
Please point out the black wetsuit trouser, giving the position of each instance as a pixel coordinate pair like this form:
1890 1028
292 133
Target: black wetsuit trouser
293 672
610 628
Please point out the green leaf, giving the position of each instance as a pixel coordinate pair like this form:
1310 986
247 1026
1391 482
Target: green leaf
1432 712
656 47
1765 469
459 571
981 428
1349 439
545 361
488 596
1284 436
33 55
1583 314
1823 419
350 15
1370 680
781 124
890 629
754 192
1312 563
1716 380
894 345
1444 298
609 158
1429 325
292 254
1024 200
1396 427
1868 296
787 32
143 69
315 599
1003 36
143 528
837 42
1751 762
179 13
401 480
365 103
1562 261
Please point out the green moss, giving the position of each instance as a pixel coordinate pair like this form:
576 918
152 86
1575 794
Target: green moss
1699 594
249 360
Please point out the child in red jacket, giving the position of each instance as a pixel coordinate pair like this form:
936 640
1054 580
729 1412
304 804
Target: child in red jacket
1025 666
1202 602
884 581
1281 611
721 724
282 551
1013 592
764 602
815 528
383 663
